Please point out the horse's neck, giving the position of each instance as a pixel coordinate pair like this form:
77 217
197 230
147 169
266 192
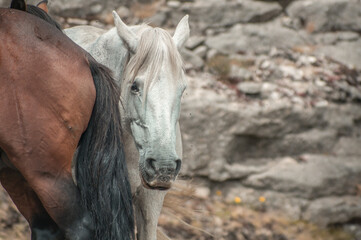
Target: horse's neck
109 50
132 158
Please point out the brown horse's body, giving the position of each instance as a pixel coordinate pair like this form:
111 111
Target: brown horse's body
47 94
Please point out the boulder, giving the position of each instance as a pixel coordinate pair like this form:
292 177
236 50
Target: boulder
346 52
83 8
194 41
256 38
313 177
348 146
333 210
250 88
191 59
228 139
214 14
327 15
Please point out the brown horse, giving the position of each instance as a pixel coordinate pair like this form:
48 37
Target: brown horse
54 98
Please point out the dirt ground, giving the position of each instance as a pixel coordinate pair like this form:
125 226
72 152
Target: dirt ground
201 219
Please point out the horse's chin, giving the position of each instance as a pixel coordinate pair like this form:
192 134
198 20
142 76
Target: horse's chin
156 185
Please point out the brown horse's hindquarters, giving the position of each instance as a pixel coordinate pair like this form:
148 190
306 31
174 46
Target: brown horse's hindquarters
46 98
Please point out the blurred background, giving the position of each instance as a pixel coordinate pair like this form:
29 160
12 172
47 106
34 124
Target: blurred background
271 119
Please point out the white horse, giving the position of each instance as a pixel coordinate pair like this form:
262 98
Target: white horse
148 66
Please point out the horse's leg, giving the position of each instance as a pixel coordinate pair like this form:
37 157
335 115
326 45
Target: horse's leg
147 205
48 174
61 199
29 205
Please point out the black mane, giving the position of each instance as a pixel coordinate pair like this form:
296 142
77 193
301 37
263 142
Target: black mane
42 14
34 10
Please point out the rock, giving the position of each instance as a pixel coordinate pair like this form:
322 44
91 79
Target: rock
157 19
235 171
173 4
211 54
211 14
348 53
202 192
268 89
76 21
354 229
250 88
331 38
83 8
193 60
259 39
242 74
327 15
316 176
123 12
291 72
194 41
333 210
201 51
347 146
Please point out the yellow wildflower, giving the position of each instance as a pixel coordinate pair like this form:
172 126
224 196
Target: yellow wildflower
262 199
218 193
237 200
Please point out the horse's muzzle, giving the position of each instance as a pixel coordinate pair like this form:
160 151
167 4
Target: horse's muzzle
160 176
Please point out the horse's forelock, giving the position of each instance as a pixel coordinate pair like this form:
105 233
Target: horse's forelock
155 45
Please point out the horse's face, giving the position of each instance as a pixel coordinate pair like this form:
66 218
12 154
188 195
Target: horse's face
155 82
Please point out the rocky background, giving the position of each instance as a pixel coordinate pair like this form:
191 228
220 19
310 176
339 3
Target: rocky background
271 119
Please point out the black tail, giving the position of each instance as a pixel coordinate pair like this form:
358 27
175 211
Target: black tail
101 169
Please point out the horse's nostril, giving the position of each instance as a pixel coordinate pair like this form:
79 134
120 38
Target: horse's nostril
150 162
178 166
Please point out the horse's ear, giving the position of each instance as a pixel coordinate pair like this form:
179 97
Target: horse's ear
18 4
43 5
124 32
181 33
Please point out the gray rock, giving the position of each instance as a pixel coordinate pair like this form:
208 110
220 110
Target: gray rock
335 37
123 12
192 59
259 39
194 41
173 4
206 14
333 210
347 146
242 74
83 8
250 88
236 171
328 15
201 51
158 19
211 53
316 176
354 229
76 21
348 53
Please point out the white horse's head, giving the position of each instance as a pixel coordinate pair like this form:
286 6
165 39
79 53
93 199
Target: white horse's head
151 92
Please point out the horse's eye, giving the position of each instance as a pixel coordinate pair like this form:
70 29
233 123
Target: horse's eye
134 87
